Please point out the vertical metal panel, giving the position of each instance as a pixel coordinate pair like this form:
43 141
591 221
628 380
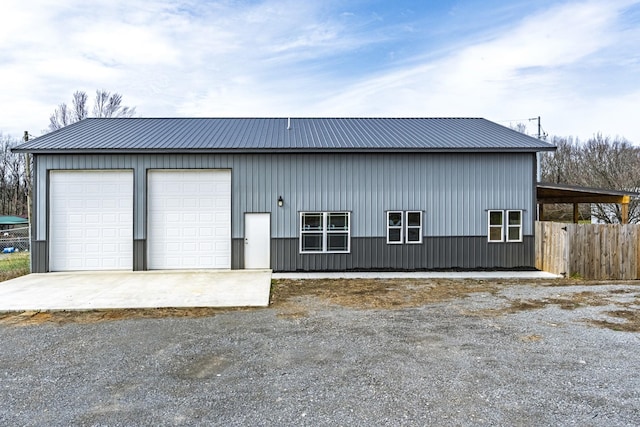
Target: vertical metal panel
40 199
139 255
139 200
237 254
39 256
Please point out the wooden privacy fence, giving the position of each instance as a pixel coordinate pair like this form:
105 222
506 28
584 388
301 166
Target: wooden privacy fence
590 251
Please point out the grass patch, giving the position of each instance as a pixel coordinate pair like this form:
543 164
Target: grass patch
14 265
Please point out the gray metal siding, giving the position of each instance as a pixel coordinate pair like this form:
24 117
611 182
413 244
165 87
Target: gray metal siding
453 190
237 254
435 253
39 256
139 254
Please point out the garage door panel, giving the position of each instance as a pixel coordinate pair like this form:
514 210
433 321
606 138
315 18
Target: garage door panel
91 220
184 214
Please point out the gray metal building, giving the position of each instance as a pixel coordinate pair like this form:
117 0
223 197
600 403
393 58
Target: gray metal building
288 194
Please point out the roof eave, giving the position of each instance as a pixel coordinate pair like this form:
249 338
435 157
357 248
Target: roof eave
283 150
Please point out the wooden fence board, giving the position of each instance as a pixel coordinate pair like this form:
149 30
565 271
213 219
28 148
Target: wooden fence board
592 251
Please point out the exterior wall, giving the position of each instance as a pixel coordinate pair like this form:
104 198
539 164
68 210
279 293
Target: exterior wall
373 253
454 190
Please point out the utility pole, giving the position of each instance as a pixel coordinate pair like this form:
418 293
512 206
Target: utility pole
27 172
541 135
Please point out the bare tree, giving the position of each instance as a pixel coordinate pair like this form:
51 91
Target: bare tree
600 162
519 127
106 104
561 166
13 183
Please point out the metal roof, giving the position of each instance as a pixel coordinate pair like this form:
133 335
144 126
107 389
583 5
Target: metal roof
283 134
564 193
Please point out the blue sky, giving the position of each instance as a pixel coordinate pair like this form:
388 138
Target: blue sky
574 63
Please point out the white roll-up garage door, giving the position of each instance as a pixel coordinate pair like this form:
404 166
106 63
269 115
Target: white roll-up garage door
91 220
189 219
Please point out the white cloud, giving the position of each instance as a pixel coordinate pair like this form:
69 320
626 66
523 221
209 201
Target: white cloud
529 69
288 58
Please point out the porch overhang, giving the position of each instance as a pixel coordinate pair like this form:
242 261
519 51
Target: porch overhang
547 193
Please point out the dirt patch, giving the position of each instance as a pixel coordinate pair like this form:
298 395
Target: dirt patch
92 316
569 301
572 301
376 293
203 368
631 321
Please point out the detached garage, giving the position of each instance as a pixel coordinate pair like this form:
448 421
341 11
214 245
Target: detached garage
302 194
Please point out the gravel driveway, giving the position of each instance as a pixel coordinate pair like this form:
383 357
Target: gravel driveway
488 354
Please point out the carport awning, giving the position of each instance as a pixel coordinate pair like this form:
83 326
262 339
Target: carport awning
560 193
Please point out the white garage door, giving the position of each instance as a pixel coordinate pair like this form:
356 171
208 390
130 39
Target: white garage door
91 220
189 219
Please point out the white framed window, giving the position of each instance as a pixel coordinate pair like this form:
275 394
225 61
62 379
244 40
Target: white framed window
325 232
496 226
505 226
514 226
395 227
404 227
413 223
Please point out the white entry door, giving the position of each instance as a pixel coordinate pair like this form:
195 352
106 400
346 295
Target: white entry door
257 240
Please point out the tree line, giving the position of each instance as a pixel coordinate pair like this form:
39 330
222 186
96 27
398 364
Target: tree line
14 185
599 162
13 180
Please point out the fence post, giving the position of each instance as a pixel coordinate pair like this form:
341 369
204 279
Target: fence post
567 250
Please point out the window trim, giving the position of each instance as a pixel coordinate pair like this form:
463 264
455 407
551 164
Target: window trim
324 231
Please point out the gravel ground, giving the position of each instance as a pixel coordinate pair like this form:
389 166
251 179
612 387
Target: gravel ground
473 360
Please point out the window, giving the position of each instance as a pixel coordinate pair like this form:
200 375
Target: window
501 230
514 226
325 232
404 227
414 227
394 227
495 226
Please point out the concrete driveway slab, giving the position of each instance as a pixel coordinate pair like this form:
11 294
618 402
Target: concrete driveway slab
139 289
